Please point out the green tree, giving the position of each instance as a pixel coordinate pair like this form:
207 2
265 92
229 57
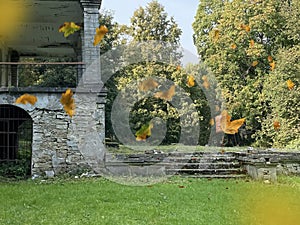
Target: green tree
235 39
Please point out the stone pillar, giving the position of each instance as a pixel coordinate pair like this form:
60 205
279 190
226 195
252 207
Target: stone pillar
90 80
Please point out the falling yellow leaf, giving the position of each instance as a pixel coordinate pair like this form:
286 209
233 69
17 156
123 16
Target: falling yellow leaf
148 84
276 124
216 34
206 83
245 27
178 67
290 84
233 46
68 28
272 65
26 98
190 81
100 32
270 59
68 102
211 122
166 95
251 44
144 132
254 63
230 127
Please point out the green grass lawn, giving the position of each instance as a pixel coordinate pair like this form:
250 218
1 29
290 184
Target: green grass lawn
174 201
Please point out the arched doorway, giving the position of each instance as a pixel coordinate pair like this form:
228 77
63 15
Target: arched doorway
15 141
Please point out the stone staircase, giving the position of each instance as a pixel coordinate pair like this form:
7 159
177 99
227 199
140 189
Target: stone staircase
198 164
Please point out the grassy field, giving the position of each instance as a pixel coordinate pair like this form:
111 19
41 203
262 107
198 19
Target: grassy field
174 201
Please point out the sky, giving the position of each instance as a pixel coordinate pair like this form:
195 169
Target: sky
183 12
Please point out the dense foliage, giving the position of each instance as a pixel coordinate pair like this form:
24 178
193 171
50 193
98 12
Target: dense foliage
246 44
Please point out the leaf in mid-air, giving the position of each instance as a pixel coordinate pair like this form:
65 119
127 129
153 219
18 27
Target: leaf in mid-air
166 95
68 28
272 65
230 127
251 43
276 124
216 34
290 84
26 98
206 83
147 84
254 63
211 122
100 32
190 81
144 132
270 58
233 46
68 102
245 27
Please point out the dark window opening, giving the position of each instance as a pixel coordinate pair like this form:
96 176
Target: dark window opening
15 140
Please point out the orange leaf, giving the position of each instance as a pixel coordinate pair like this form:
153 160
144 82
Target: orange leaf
144 132
166 95
270 59
216 34
68 28
211 122
290 84
100 32
178 67
26 98
276 125
245 27
230 127
233 46
251 43
190 81
148 84
205 84
254 63
68 102
272 65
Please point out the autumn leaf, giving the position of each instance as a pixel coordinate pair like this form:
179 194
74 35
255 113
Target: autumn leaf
290 84
270 58
147 84
251 43
68 28
233 46
276 125
144 132
206 83
230 127
100 32
245 27
190 81
68 102
254 63
178 67
216 34
166 95
272 65
211 122
26 98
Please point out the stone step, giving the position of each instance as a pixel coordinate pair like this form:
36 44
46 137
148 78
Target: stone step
227 176
206 171
179 165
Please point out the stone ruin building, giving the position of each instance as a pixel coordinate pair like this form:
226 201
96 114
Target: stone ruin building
44 128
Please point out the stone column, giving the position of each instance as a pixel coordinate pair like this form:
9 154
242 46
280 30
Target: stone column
90 53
